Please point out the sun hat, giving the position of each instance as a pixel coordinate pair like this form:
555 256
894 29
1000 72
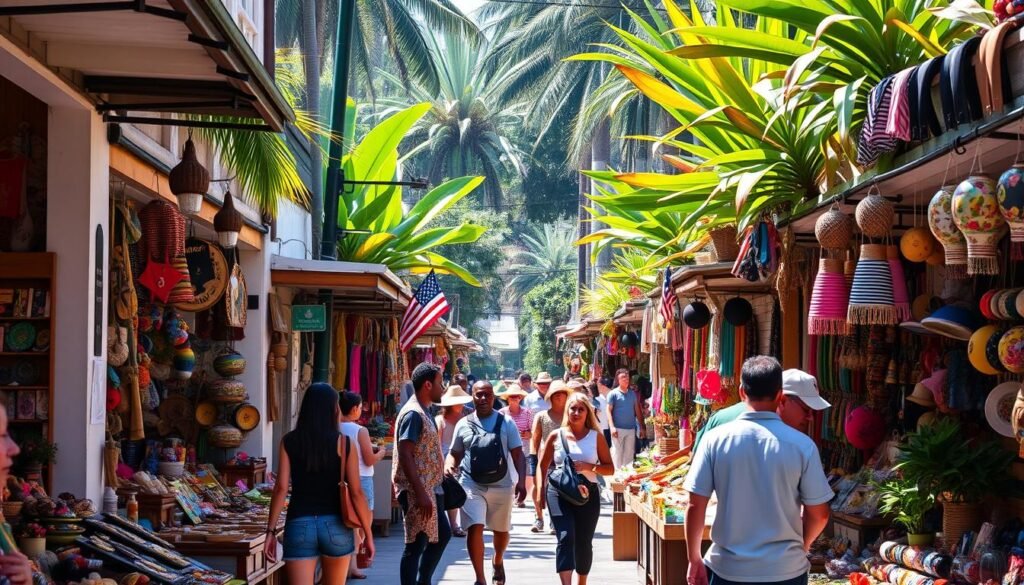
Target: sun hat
922 396
805 387
952 321
574 385
455 395
543 378
556 387
513 390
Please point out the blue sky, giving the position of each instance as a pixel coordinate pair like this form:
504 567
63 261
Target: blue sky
468 6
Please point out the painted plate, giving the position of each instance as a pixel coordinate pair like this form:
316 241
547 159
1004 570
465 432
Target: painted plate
21 336
42 342
999 407
208 273
25 373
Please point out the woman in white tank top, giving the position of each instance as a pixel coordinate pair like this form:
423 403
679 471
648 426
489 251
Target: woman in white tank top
351 411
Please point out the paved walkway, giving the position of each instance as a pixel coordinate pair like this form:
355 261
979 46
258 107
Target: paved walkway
530 559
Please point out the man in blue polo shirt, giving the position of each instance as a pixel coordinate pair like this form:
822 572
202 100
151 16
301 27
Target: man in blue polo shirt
763 471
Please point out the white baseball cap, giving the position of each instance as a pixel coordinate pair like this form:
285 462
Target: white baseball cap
805 387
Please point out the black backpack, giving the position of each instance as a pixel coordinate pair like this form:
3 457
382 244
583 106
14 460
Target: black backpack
486 452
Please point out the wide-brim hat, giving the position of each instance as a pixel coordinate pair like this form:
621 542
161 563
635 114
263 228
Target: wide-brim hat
556 387
922 396
512 390
543 378
455 395
951 321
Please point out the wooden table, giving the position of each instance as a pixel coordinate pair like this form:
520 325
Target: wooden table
618 501
251 475
244 559
661 546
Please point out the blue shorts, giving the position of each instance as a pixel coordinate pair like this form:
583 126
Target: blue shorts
311 537
532 459
367 483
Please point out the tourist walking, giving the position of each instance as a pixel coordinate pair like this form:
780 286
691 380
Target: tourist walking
543 423
759 467
368 454
523 417
452 411
604 387
310 460
417 477
487 457
600 404
536 399
625 418
580 436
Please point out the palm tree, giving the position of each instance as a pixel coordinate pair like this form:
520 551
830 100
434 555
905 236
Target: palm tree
548 251
469 128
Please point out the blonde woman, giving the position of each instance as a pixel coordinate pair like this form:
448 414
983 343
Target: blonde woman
575 525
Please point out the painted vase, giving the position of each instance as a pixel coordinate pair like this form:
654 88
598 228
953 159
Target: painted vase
976 213
1010 194
1011 350
940 221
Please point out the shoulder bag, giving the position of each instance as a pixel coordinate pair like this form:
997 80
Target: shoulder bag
564 478
454 494
349 517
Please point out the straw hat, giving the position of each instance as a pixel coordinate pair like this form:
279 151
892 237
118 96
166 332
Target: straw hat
455 395
574 385
513 390
922 396
543 378
556 387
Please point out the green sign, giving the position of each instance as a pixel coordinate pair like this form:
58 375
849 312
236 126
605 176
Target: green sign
309 318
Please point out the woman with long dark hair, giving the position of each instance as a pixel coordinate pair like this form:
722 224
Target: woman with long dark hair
310 461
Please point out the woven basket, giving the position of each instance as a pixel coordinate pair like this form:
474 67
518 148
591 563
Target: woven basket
958 519
668 445
723 240
12 509
834 229
874 216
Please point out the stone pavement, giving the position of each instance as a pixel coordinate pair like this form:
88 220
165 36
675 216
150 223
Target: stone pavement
530 559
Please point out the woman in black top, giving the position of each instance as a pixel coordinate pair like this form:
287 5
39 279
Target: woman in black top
310 462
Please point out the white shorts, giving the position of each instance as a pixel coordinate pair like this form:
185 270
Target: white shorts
491 507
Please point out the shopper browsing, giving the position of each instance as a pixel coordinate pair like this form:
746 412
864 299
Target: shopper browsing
625 416
580 436
453 404
487 457
543 424
417 478
760 467
523 417
351 411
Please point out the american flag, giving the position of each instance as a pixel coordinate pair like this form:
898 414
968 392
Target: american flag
668 298
427 306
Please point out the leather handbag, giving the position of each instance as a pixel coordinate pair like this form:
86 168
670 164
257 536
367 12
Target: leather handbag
349 517
454 495
564 478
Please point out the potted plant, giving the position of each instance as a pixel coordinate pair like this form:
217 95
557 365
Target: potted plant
959 472
907 503
31 539
36 452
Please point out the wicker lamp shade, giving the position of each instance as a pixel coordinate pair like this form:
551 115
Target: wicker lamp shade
829 299
228 222
976 212
900 296
834 229
871 295
189 180
874 216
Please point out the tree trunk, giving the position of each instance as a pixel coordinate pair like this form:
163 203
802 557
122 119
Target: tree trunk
311 66
600 155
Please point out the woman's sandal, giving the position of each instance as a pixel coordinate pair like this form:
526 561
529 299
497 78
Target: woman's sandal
459 533
499 574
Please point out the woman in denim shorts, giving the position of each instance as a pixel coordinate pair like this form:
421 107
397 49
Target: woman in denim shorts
351 411
310 462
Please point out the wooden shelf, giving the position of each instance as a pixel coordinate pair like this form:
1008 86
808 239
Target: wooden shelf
13 388
24 318
28 422
24 353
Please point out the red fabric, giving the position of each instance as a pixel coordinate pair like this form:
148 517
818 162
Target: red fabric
12 186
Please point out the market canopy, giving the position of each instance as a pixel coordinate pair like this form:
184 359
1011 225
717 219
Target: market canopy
156 56
712 278
356 285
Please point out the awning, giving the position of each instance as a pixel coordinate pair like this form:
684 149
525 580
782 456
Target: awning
631 313
713 278
356 286
588 328
155 56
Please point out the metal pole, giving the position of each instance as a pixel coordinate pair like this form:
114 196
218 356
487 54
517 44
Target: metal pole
332 189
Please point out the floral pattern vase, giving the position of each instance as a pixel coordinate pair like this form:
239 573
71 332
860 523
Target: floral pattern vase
1011 350
976 212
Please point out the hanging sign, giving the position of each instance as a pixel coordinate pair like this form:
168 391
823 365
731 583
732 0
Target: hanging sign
309 318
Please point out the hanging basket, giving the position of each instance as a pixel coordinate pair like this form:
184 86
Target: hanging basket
958 519
723 240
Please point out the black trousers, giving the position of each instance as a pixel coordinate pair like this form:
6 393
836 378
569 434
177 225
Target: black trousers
574 527
420 557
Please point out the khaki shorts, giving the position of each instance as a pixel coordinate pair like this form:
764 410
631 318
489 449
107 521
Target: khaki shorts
491 507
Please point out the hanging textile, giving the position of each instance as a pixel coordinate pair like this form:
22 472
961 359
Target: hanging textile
340 353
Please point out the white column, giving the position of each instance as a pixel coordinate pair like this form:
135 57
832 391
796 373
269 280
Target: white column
78 201
255 346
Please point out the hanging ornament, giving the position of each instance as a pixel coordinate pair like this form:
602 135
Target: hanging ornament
1011 350
228 222
829 299
940 220
874 216
976 213
696 315
1010 194
189 181
900 296
917 244
834 229
738 311
871 296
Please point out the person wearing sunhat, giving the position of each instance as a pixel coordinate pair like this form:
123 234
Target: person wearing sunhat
523 417
543 424
537 400
453 404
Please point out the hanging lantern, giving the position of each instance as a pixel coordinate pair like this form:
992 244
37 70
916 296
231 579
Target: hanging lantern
834 229
189 180
871 296
1010 194
228 222
917 244
874 216
976 213
900 296
940 220
829 299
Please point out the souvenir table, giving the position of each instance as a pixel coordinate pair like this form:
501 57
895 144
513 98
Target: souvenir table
618 500
244 558
661 546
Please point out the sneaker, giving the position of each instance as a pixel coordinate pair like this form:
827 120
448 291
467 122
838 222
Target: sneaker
538 526
552 530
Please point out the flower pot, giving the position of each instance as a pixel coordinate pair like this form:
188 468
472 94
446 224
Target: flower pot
958 519
32 547
920 539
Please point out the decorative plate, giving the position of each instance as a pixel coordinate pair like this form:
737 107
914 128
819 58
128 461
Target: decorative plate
999 407
21 336
42 340
25 373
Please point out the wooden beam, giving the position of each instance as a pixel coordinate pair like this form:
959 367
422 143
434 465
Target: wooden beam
93 59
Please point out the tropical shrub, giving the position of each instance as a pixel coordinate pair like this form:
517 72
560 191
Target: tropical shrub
545 307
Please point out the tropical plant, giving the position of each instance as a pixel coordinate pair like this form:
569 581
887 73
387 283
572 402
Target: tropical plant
544 308
468 127
548 250
603 299
905 502
401 239
940 460
36 450
632 267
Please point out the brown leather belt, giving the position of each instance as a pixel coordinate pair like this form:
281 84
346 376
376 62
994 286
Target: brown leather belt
993 74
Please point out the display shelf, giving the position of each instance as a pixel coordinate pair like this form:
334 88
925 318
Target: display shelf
24 353
24 318
17 388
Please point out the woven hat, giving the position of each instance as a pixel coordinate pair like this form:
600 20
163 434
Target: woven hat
943 227
834 229
922 396
900 296
453 395
556 387
829 300
871 295
512 390
874 216
1010 194
543 378
976 213
953 322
